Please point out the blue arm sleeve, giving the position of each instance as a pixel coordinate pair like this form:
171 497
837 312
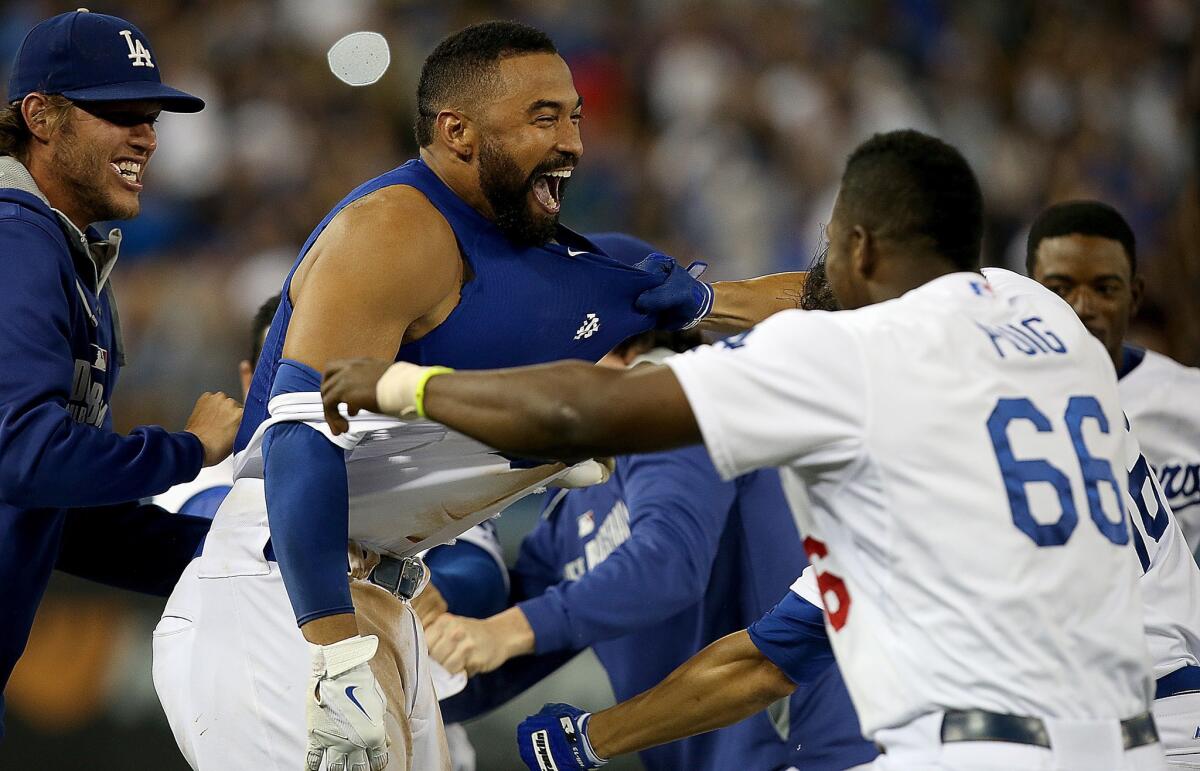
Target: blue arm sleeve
131 546
49 460
308 504
792 635
678 508
469 579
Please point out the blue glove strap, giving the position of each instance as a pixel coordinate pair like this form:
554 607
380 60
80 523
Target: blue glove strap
556 738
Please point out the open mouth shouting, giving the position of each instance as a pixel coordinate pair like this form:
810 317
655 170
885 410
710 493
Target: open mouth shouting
548 189
130 173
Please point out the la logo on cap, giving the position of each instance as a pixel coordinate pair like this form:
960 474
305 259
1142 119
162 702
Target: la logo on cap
137 51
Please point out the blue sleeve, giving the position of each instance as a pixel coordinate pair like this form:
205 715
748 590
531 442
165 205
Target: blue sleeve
49 460
792 635
469 579
308 507
678 507
132 546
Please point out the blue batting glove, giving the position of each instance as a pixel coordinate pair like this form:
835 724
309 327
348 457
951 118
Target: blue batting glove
556 739
681 300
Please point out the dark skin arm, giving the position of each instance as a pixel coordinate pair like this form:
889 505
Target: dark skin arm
567 411
728 681
739 305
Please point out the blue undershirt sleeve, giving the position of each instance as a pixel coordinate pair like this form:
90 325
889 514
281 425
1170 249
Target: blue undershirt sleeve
792 635
468 578
308 503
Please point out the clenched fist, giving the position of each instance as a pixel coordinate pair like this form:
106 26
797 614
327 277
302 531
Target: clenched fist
214 421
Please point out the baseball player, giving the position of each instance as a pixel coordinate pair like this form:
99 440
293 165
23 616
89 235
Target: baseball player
1086 252
76 136
990 623
456 256
788 646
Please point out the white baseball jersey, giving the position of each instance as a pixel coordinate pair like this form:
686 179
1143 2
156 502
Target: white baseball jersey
1170 576
961 448
1162 399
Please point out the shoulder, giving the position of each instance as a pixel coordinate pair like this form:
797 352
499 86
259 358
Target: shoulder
31 249
388 240
1165 377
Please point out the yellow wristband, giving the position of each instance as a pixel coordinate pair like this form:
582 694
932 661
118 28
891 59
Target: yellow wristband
419 391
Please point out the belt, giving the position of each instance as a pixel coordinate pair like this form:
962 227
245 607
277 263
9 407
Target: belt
977 725
1180 681
403 578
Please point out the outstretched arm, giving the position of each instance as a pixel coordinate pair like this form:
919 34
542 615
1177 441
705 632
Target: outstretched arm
726 682
739 305
567 410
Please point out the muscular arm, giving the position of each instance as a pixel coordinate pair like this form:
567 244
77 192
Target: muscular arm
726 682
739 305
568 410
382 264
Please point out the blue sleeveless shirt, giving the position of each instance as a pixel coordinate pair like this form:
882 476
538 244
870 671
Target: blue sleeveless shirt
522 305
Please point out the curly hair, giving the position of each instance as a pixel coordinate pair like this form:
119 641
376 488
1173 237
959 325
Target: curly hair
15 134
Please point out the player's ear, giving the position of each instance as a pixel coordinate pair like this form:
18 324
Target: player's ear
458 133
246 373
863 255
1137 287
34 109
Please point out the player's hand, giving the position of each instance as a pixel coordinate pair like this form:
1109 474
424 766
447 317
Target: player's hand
557 737
462 644
351 382
429 605
681 300
214 421
345 708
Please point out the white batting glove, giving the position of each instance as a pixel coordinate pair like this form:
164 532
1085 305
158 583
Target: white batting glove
345 715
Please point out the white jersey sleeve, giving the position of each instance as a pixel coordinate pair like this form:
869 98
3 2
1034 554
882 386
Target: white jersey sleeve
1170 580
796 369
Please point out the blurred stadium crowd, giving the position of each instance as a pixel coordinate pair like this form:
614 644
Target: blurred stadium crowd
713 129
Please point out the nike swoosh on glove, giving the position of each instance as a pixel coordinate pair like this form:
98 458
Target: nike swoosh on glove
345 715
556 739
681 300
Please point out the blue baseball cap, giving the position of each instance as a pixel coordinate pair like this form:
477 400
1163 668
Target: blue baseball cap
92 57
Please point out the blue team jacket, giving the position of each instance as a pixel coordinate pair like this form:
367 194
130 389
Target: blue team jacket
59 360
647 569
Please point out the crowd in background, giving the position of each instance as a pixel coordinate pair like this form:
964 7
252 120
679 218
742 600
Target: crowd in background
713 129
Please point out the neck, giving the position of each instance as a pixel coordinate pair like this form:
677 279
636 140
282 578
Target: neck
899 275
460 177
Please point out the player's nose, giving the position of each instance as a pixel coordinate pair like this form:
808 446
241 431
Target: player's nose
143 138
569 140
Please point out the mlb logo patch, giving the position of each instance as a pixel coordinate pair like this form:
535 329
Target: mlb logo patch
587 524
101 362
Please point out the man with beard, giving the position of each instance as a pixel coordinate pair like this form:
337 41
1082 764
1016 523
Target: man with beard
75 138
456 256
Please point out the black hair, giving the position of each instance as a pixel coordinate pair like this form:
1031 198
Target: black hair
260 325
817 294
909 186
465 61
1084 218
